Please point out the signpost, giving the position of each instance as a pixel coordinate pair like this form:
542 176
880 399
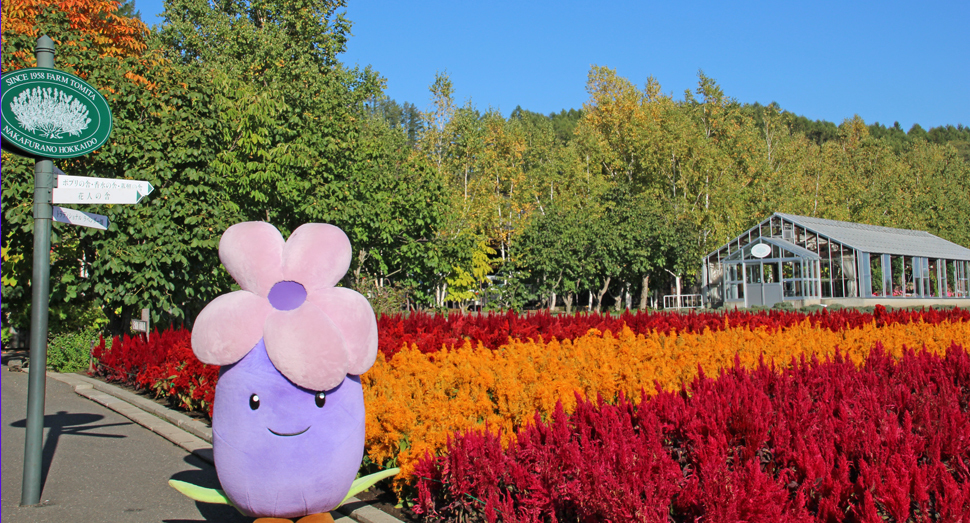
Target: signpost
47 113
66 181
143 324
97 196
52 114
86 189
84 219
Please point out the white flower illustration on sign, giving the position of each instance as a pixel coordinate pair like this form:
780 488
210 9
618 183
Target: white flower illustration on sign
50 112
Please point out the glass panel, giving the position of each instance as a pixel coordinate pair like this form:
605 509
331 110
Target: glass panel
753 273
766 229
897 266
954 275
838 274
875 273
826 276
918 276
950 279
927 286
788 233
932 278
958 288
776 226
799 236
826 279
909 276
769 273
850 273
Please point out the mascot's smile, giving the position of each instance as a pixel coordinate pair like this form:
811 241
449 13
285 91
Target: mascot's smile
287 434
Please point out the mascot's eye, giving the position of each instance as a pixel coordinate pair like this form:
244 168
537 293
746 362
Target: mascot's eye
321 399
254 402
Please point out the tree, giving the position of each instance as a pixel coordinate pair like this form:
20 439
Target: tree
99 25
98 44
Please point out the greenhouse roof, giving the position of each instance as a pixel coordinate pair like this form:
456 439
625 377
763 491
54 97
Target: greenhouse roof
887 240
800 252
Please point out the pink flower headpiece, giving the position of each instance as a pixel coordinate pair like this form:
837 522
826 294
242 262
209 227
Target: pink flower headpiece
315 333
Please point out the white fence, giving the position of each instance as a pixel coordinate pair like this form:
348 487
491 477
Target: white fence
683 301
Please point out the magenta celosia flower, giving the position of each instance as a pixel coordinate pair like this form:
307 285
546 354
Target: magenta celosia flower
315 333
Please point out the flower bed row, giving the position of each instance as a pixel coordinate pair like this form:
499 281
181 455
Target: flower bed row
416 401
418 398
818 441
164 365
430 333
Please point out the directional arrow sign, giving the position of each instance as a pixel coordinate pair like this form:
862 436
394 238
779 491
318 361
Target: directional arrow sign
84 219
96 196
65 181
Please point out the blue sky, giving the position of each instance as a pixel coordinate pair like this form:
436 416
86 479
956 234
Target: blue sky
885 61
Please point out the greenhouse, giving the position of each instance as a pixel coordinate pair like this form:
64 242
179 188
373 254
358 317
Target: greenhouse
812 261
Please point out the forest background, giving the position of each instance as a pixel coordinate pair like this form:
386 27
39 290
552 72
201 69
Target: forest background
245 112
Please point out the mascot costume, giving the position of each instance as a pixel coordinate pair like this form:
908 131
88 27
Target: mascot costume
288 416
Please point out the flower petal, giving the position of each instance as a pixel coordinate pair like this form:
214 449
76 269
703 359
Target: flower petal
316 255
229 327
355 319
252 252
306 346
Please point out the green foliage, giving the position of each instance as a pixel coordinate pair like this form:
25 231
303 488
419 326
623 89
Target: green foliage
242 110
385 298
784 306
71 352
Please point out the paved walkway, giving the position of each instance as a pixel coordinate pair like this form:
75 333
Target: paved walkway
101 466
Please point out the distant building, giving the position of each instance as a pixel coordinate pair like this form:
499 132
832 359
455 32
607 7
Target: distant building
810 261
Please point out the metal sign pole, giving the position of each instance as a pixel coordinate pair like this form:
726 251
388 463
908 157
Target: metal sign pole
43 185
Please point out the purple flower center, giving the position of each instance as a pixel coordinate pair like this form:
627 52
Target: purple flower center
287 295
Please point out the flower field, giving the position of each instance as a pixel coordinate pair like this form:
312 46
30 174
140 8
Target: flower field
805 412
815 442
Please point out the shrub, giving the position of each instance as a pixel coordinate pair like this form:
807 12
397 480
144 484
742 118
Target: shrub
165 365
70 352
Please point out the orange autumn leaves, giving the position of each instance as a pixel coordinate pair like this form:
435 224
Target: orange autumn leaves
100 26
415 401
114 35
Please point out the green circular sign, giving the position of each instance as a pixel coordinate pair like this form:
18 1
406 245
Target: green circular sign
52 114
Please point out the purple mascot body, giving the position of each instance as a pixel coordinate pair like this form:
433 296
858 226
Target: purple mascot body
288 419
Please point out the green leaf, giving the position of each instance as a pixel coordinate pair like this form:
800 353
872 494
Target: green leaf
197 493
366 482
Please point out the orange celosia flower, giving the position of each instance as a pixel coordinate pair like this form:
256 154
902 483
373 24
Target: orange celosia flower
416 401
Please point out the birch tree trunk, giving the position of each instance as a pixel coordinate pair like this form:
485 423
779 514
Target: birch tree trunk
645 292
600 293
